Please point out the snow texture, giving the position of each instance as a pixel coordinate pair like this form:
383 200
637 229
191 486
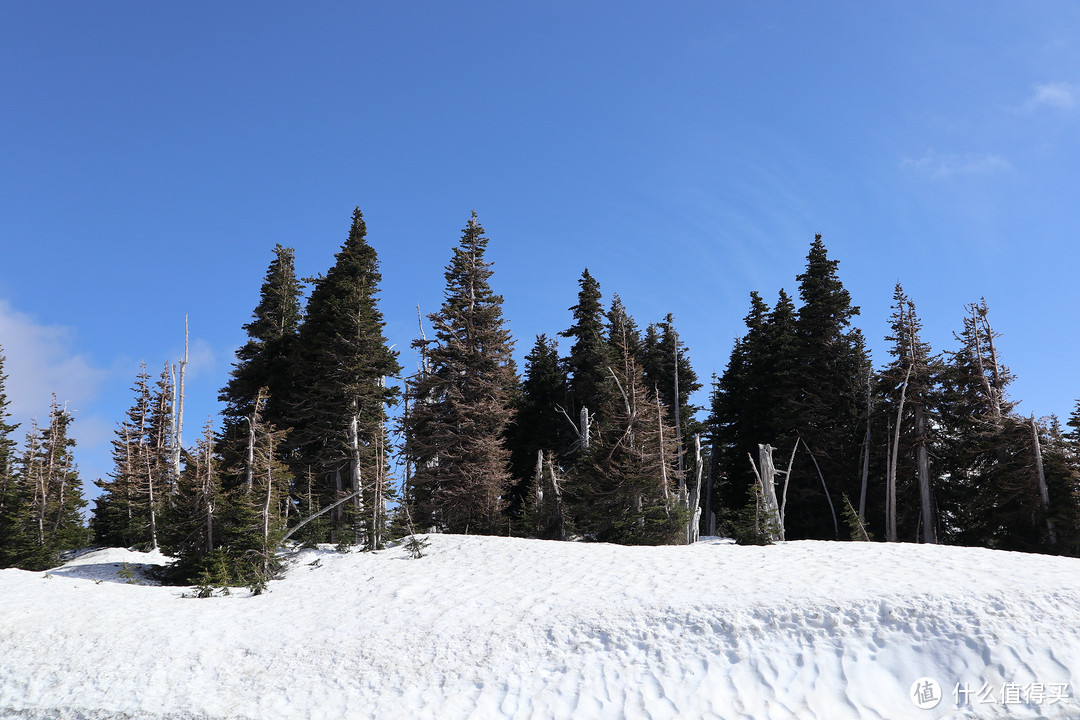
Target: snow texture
511 628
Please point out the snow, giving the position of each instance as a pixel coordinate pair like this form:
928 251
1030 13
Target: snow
512 628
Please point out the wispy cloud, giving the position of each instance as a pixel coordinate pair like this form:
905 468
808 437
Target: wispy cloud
40 360
939 166
1060 95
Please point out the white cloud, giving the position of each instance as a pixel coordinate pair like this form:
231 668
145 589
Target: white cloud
950 165
39 361
1061 95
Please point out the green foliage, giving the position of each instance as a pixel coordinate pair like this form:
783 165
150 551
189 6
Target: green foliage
416 545
462 401
338 430
589 383
855 523
755 524
537 424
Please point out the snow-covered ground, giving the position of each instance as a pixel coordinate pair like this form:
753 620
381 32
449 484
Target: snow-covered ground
509 628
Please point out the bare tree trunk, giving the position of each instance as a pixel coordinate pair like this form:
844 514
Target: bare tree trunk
538 506
693 530
922 460
178 422
865 453
1040 477
828 497
558 500
787 481
678 425
890 481
663 457
767 481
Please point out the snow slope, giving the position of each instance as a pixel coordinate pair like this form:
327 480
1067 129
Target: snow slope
510 628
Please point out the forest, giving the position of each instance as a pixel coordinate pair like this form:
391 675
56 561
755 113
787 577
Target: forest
803 438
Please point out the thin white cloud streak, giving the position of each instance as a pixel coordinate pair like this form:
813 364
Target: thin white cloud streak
1060 95
941 167
39 361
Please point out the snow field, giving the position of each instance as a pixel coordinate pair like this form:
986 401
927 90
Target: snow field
512 628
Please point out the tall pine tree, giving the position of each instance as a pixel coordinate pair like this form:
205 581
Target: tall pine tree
462 404
339 426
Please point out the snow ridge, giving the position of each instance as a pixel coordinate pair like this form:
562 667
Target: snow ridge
512 628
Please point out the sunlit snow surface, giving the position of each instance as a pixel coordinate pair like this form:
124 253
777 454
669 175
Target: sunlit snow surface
509 628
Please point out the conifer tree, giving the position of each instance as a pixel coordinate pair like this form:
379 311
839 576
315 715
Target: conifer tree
622 489
589 376
665 362
993 497
267 360
537 424
829 409
462 405
10 499
339 425
127 511
48 517
913 377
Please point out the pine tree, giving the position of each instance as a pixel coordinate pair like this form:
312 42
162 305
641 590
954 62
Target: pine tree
537 424
462 405
49 518
341 392
993 497
913 376
622 489
665 362
11 500
753 403
267 360
590 359
127 511
829 408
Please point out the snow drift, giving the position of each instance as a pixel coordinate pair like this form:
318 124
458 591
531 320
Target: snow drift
511 628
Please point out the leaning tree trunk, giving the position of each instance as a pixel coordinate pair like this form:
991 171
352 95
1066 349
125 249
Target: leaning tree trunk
922 460
1040 478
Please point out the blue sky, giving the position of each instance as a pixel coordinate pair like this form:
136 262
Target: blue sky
151 155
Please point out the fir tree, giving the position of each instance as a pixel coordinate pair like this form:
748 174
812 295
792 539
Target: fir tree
127 511
537 424
588 364
829 408
622 489
913 373
665 362
462 404
10 496
267 360
340 408
50 517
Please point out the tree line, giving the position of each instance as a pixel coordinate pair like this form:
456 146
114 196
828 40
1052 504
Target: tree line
803 438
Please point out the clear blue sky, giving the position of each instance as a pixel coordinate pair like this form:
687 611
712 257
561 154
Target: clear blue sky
152 154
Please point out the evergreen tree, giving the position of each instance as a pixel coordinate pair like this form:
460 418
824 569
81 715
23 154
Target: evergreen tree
829 407
913 375
11 500
462 405
665 362
49 516
267 360
753 403
590 359
537 424
127 511
621 330
340 408
622 489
